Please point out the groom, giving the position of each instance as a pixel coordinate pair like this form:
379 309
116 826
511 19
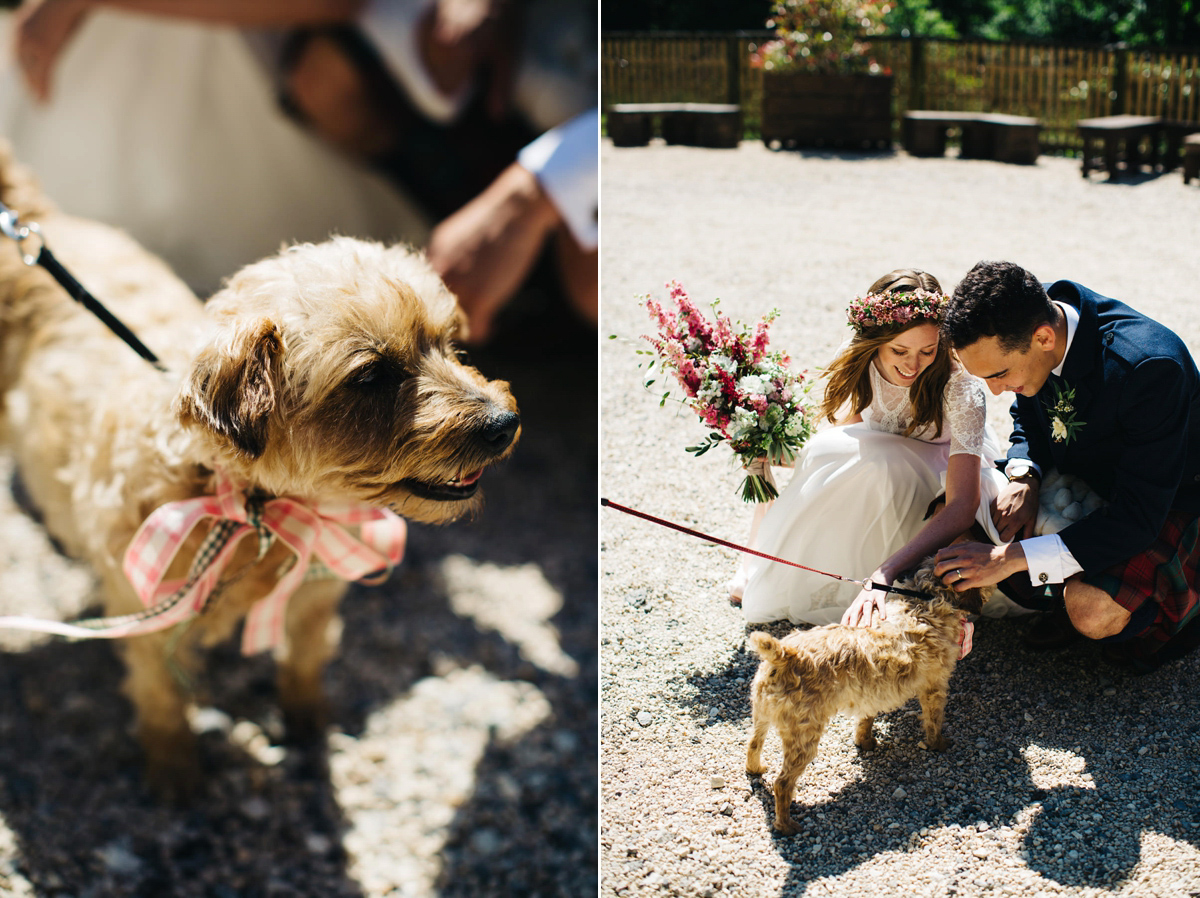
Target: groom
1112 397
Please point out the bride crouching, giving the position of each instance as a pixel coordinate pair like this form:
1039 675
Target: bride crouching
911 426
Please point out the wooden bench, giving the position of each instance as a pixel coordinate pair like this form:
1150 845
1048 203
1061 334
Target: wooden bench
1119 132
691 124
985 135
1191 157
1176 131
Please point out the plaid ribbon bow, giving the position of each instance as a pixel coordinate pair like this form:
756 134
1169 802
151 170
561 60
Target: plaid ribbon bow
966 638
315 532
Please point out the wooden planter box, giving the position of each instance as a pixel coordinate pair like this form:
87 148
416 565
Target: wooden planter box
850 111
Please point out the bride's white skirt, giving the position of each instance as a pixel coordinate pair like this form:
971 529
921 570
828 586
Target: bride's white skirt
856 496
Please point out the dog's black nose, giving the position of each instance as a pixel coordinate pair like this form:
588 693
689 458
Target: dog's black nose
499 431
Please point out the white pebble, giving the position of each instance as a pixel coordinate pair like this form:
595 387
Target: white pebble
717 782
644 718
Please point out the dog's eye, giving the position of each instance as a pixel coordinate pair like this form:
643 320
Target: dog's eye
462 356
376 374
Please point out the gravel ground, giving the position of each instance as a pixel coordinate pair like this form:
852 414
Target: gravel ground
1068 777
462 756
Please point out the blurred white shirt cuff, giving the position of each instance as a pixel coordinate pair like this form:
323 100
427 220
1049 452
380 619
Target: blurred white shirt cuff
392 28
565 160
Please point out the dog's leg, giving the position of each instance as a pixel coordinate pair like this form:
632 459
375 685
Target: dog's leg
754 747
933 715
799 748
313 633
154 664
864 736
172 765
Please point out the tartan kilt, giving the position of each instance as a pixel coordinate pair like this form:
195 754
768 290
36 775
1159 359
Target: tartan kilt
1168 572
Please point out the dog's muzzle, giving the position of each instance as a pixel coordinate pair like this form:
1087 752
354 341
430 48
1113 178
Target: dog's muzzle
492 439
498 432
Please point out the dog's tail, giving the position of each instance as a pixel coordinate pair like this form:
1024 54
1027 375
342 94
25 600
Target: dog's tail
768 647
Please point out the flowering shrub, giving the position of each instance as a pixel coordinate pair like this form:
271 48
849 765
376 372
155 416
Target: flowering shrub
822 36
745 393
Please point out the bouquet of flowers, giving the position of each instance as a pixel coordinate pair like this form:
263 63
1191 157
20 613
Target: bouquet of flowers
746 394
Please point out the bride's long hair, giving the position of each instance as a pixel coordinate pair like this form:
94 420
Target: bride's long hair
850 373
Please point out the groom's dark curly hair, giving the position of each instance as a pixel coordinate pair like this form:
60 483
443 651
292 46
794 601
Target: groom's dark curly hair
996 299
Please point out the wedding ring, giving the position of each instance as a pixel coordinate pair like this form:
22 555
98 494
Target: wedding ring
960 574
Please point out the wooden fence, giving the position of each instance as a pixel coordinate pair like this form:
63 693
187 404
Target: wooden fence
1057 83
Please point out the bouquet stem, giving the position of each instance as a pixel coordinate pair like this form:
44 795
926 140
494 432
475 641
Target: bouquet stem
758 489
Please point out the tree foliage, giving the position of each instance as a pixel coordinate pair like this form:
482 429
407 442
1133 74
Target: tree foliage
1137 22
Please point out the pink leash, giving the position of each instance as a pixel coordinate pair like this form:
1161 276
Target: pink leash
865 584
965 639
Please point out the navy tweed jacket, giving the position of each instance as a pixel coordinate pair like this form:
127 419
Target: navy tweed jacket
1137 393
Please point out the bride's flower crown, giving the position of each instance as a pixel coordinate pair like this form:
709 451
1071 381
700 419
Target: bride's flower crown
907 307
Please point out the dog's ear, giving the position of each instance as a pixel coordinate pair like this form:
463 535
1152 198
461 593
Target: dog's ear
971 600
231 388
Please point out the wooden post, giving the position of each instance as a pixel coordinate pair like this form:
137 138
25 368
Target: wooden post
1120 85
916 74
733 66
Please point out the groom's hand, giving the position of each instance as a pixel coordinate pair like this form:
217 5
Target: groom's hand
1015 511
967 565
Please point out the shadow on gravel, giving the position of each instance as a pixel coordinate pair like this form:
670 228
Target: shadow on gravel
846 155
1048 708
71 791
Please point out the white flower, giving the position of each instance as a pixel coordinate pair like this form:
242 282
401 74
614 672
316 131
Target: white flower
1058 430
753 384
795 425
744 422
724 362
710 391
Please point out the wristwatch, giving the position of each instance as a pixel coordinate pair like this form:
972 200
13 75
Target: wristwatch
1022 470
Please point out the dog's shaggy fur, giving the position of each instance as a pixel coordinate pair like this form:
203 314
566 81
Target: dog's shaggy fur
326 373
810 675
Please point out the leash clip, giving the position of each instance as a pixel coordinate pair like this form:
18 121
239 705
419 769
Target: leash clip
12 228
868 584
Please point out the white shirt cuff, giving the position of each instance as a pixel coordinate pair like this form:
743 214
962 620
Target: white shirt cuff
1048 559
391 26
565 161
1024 461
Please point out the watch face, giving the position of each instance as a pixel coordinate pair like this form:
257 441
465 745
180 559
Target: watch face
1019 470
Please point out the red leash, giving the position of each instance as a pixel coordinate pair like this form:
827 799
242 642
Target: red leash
865 584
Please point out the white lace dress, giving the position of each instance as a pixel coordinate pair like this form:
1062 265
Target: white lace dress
859 493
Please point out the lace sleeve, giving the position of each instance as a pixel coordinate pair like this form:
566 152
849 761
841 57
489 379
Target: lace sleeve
965 413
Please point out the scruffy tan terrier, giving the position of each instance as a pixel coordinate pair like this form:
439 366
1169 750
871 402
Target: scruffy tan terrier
810 675
327 374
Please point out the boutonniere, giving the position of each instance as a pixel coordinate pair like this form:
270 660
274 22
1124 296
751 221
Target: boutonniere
1062 414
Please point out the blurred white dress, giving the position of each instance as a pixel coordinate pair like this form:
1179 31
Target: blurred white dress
171 131
858 494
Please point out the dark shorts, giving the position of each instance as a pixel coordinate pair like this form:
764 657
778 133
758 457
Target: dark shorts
1165 575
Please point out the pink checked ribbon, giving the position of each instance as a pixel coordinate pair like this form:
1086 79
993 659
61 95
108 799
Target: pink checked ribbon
966 638
310 530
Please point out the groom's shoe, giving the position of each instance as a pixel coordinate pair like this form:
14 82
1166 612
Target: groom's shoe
1051 632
